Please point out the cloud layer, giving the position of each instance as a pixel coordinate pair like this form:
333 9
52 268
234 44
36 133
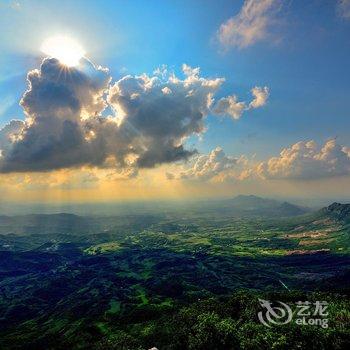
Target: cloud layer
251 25
306 161
66 124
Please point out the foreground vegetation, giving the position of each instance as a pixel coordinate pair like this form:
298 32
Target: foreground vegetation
215 323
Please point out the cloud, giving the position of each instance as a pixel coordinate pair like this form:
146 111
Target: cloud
343 8
9 134
13 5
213 167
260 97
55 134
169 176
208 166
158 115
62 179
66 124
231 106
251 25
306 161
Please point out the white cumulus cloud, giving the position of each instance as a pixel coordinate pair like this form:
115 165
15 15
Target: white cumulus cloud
232 107
215 166
307 161
250 25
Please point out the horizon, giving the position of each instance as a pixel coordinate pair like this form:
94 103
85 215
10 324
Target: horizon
148 205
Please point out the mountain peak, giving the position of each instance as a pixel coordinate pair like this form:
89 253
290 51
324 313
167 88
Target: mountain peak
338 211
266 206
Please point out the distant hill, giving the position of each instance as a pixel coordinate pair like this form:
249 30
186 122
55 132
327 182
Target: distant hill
42 223
253 202
337 211
288 209
255 205
63 223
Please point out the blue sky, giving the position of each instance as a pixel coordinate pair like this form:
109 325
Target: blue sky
307 70
302 57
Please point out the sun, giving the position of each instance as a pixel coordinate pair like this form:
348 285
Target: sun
64 48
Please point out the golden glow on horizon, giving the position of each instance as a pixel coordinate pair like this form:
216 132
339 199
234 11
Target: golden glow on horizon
65 49
97 185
